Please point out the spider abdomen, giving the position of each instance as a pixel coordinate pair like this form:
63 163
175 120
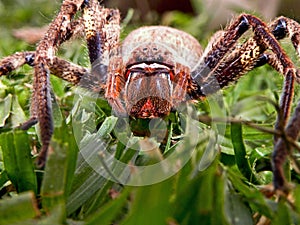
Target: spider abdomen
161 44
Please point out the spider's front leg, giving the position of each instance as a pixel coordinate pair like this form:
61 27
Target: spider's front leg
226 64
41 100
102 28
281 28
61 68
99 27
285 27
45 62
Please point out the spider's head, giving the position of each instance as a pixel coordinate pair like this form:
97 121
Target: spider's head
148 90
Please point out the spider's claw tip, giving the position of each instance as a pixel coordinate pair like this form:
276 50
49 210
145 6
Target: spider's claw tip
244 25
41 162
85 3
280 30
42 157
29 59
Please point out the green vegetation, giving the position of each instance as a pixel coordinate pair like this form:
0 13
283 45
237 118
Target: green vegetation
219 188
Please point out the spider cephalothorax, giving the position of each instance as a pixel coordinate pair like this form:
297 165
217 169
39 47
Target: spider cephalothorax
155 68
155 65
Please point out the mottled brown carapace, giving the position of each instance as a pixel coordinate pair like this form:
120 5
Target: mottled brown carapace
156 68
154 63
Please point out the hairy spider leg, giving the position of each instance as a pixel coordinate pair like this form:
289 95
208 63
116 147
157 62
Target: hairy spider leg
250 54
61 68
284 27
58 31
45 51
283 148
233 65
102 33
102 29
61 29
218 47
44 61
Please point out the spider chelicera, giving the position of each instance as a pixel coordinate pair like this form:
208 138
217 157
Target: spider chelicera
155 68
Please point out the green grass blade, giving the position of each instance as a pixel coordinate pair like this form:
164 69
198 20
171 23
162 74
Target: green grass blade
282 215
63 135
151 204
240 152
18 116
5 109
3 178
254 197
17 160
54 182
59 171
18 209
110 211
85 184
86 178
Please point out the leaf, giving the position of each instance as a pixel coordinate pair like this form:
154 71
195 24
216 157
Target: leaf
17 160
240 152
151 204
253 196
107 126
237 210
202 200
109 211
54 181
3 178
17 116
18 209
57 85
5 107
64 134
85 184
56 113
86 177
59 170
282 215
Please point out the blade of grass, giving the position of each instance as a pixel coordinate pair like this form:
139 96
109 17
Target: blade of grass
53 186
86 178
282 215
254 197
151 204
5 109
17 160
64 134
110 211
3 178
18 209
59 171
17 115
240 152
